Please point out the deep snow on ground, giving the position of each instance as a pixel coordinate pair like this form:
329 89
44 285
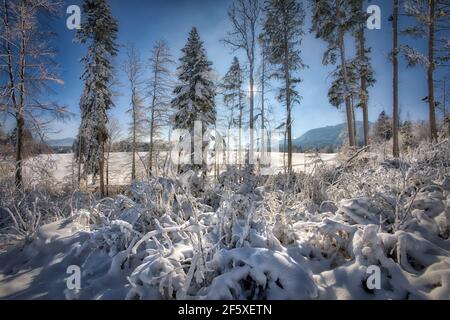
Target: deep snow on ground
37 270
251 237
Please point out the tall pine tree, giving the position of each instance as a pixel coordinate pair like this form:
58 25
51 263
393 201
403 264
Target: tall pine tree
331 21
432 20
98 30
357 70
284 29
195 94
234 97
364 66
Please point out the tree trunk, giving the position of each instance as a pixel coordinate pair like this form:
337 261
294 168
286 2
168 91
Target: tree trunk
12 88
252 134
101 161
6 32
364 94
216 156
348 104
395 120
284 151
366 124
239 149
79 159
204 154
20 121
133 160
431 65
289 138
287 82
194 165
288 106
252 98
263 127
150 150
152 120
349 113
354 122
107 170
228 158
19 148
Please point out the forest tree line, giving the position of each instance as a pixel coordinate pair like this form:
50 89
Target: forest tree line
268 33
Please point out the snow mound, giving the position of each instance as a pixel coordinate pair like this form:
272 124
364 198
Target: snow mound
257 273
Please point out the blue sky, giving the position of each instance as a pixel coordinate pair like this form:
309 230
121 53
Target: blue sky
144 22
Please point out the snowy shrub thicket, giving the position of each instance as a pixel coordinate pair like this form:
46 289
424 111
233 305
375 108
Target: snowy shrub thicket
305 236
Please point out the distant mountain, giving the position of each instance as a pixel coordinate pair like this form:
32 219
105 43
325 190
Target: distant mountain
330 137
66 142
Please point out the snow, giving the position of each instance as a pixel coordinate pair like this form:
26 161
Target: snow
37 270
276 276
119 262
63 167
251 237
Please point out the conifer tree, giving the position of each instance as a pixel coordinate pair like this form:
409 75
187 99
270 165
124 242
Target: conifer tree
365 69
233 97
331 21
195 93
283 27
99 31
382 129
407 136
432 20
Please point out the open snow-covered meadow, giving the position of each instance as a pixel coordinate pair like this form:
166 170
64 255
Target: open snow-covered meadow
63 167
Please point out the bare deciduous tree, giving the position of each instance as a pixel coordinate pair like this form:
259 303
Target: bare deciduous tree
133 70
244 16
27 70
159 92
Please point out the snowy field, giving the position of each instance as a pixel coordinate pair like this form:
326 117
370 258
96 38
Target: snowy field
63 166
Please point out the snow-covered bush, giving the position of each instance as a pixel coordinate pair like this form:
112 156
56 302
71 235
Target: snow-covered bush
258 273
304 236
28 209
